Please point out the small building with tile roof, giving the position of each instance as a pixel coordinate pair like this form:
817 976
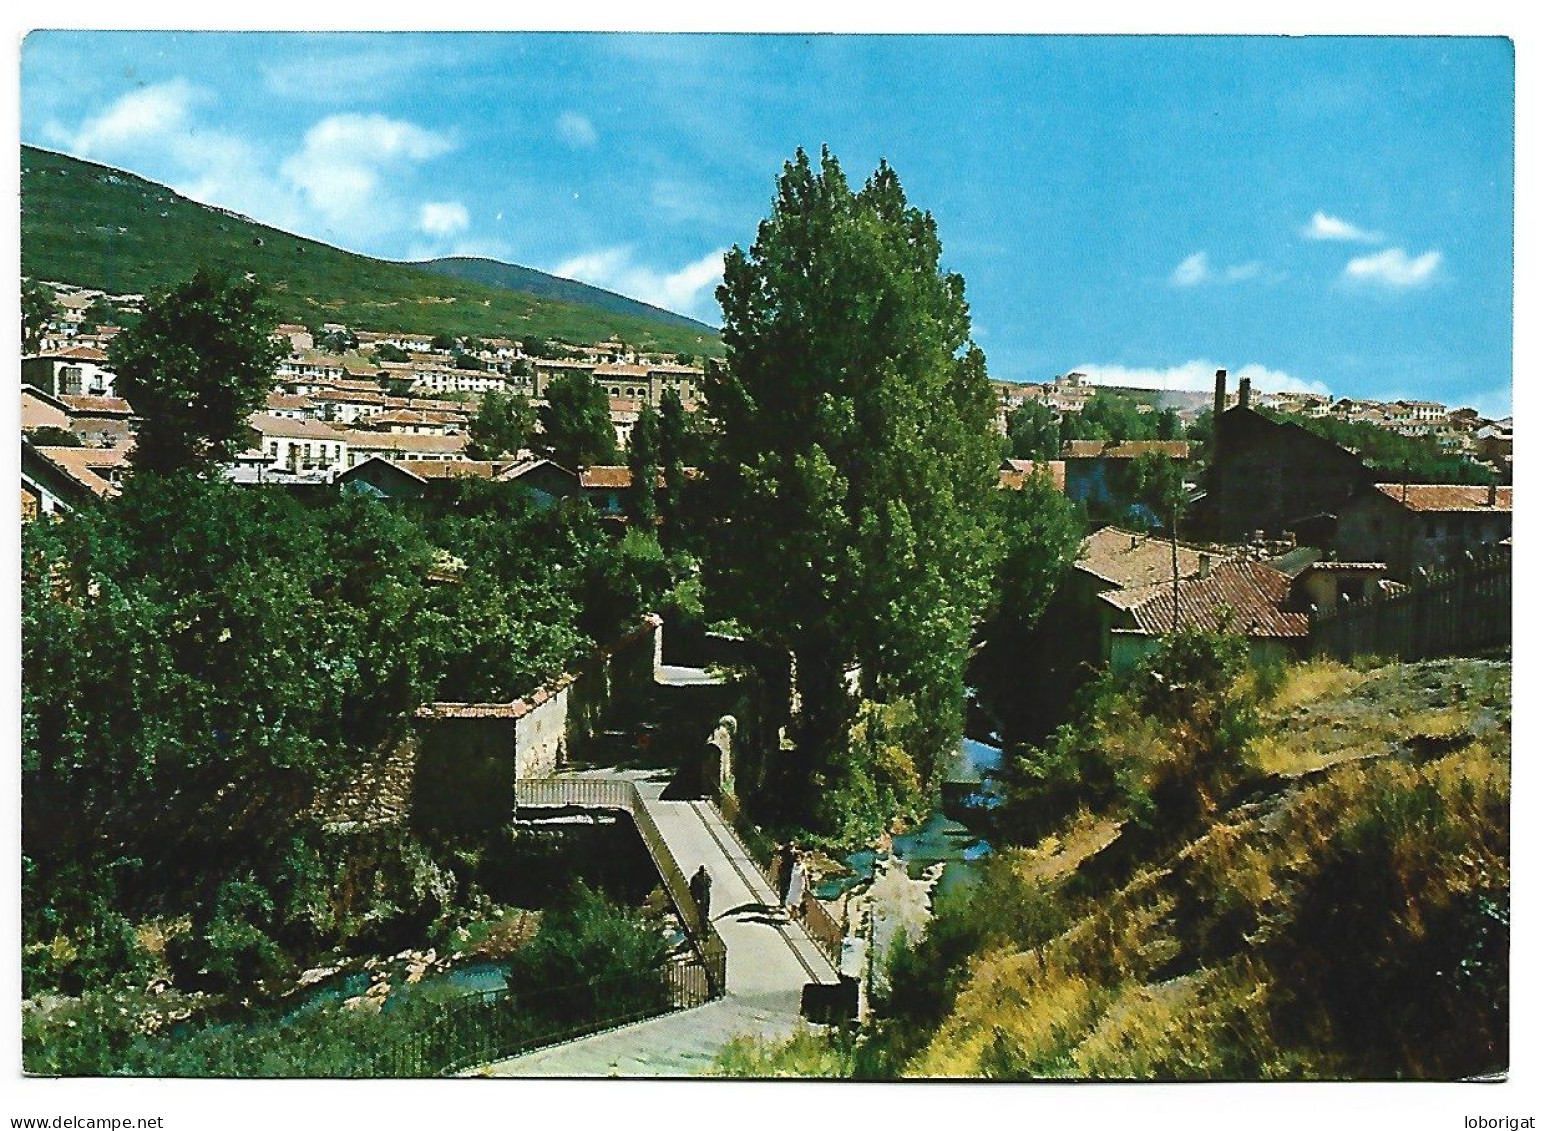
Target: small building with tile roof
1238 596
1416 526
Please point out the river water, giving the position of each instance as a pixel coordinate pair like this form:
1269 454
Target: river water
941 838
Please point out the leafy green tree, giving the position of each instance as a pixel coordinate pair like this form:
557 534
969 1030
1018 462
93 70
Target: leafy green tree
1042 530
1167 425
1034 432
1116 417
856 459
577 422
1158 485
676 442
200 661
468 361
502 425
37 310
644 462
443 342
198 363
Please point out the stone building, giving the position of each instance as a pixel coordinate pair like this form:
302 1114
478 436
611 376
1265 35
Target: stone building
1272 476
1414 526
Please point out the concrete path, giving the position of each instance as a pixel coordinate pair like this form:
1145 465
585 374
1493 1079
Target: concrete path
769 961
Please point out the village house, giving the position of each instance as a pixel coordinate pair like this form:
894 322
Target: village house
42 410
401 448
289 406
1422 526
1241 596
624 414
299 445
442 379
309 372
1098 472
78 370
101 422
55 479
345 403
414 422
298 337
627 381
1494 445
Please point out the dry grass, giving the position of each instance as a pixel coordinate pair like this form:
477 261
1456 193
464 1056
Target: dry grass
1230 959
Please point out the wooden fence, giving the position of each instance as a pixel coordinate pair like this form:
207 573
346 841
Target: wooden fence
1463 609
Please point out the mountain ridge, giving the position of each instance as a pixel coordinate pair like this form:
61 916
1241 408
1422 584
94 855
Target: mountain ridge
97 226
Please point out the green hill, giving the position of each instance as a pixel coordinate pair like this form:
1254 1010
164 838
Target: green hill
95 226
528 280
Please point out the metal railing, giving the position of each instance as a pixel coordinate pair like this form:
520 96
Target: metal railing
603 793
483 1027
823 930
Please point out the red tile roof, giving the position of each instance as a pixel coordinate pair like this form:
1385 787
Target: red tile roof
86 465
1446 497
604 477
1236 596
1013 476
96 406
1128 560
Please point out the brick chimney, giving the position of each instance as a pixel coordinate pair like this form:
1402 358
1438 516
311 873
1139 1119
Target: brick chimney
1244 392
1219 393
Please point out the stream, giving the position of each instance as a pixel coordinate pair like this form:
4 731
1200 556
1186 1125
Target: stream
941 838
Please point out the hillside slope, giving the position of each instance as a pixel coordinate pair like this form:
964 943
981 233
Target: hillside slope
528 280
94 226
1343 915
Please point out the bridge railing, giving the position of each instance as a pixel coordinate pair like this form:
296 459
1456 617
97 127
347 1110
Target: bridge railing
483 1027
823 930
603 793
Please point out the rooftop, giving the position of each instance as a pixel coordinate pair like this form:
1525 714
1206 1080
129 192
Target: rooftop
1431 497
1236 596
1128 560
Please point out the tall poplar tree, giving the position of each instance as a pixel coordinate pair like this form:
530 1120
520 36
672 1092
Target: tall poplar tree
855 470
644 462
195 366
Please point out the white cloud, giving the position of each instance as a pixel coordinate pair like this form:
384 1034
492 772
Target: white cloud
340 165
1192 270
576 130
443 218
1197 269
149 114
1325 227
616 269
1197 376
1392 267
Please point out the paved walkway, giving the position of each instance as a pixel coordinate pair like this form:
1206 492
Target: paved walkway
769 961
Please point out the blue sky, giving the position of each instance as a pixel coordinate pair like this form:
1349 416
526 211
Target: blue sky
1318 213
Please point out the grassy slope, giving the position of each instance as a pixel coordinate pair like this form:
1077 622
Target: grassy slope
1345 918
103 228
510 276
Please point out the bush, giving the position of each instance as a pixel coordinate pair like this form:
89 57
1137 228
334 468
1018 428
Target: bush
233 947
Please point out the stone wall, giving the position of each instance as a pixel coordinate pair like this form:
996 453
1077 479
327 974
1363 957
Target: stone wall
471 753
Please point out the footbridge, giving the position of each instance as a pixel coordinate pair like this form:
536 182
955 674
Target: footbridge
758 961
